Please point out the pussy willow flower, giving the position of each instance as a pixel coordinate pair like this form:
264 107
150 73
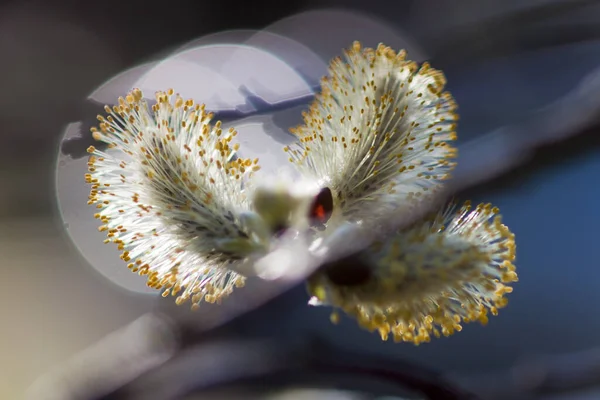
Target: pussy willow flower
377 139
377 135
376 142
425 280
173 197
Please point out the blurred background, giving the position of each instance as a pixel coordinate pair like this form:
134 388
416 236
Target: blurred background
522 72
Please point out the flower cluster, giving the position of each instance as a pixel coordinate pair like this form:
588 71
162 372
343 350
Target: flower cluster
186 211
